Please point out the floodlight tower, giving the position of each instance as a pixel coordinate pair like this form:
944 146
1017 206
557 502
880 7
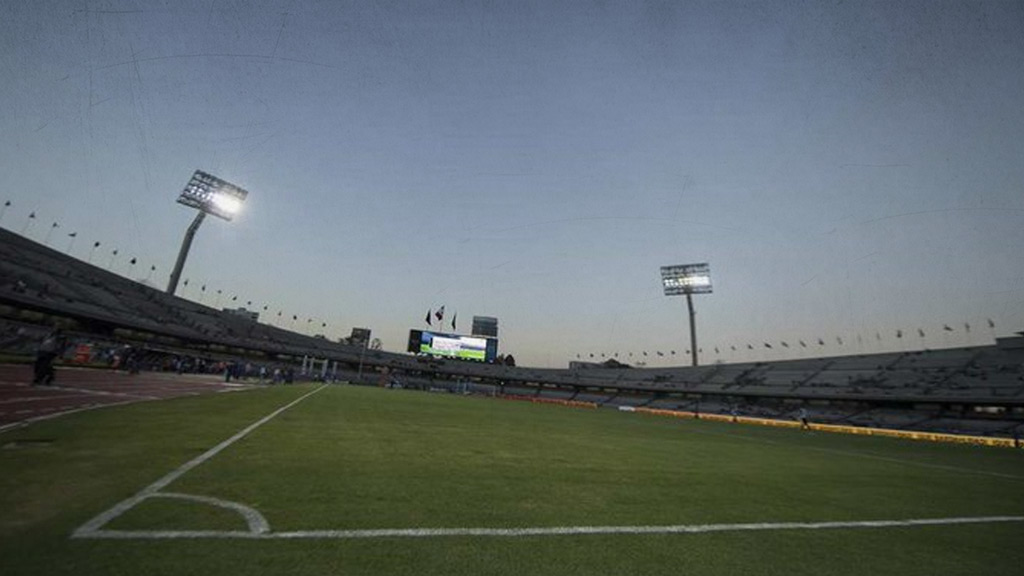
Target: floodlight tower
688 279
209 195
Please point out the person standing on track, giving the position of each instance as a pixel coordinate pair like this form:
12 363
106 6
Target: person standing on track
50 348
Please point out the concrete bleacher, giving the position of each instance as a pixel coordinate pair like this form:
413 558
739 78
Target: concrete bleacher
34 277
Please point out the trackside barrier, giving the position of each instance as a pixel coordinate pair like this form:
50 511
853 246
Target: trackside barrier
885 432
571 403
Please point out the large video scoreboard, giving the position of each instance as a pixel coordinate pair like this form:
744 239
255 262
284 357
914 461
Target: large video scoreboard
453 346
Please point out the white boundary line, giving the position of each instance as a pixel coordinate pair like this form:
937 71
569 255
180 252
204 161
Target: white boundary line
34 419
259 528
94 525
134 400
256 522
539 531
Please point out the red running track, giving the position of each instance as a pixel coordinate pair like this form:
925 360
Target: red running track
77 389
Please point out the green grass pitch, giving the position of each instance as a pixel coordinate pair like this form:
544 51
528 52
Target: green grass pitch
349 458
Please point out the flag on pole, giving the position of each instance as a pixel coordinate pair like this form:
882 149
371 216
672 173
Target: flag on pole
73 235
991 324
967 327
821 342
899 333
920 332
427 318
947 328
439 314
454 316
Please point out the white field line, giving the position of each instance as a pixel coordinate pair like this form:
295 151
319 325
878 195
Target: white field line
256 522
27 421
102 519
539 531
134 399
45 398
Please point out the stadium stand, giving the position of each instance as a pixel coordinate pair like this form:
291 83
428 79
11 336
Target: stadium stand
977 390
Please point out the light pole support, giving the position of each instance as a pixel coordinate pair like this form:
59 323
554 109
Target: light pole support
693 328
186 244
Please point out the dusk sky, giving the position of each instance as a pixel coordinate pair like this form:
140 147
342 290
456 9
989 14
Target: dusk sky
847 168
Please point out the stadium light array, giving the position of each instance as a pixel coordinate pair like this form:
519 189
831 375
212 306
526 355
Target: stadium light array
688 279
209 195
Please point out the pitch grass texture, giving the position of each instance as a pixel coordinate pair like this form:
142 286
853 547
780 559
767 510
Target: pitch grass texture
365 458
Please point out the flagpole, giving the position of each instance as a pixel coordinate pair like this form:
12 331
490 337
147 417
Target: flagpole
46 239
31 218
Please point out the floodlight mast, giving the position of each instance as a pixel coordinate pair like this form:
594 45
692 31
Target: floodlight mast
209 195
688 279
186 245
693 328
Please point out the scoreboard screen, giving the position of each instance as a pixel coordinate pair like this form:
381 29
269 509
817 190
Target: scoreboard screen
453 346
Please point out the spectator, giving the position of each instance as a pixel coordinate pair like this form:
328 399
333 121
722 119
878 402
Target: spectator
802 415
50 348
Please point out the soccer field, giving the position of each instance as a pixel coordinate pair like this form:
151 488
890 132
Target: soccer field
348 480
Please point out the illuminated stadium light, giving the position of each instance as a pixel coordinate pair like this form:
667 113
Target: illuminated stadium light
688 279
209 195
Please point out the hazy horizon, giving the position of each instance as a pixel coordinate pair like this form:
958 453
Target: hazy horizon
848 169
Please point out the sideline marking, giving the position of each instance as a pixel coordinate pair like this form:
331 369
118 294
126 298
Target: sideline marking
539 531
94 525
23 423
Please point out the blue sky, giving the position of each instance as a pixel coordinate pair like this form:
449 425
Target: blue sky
846 168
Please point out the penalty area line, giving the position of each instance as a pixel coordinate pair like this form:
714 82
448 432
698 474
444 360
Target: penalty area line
539 531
